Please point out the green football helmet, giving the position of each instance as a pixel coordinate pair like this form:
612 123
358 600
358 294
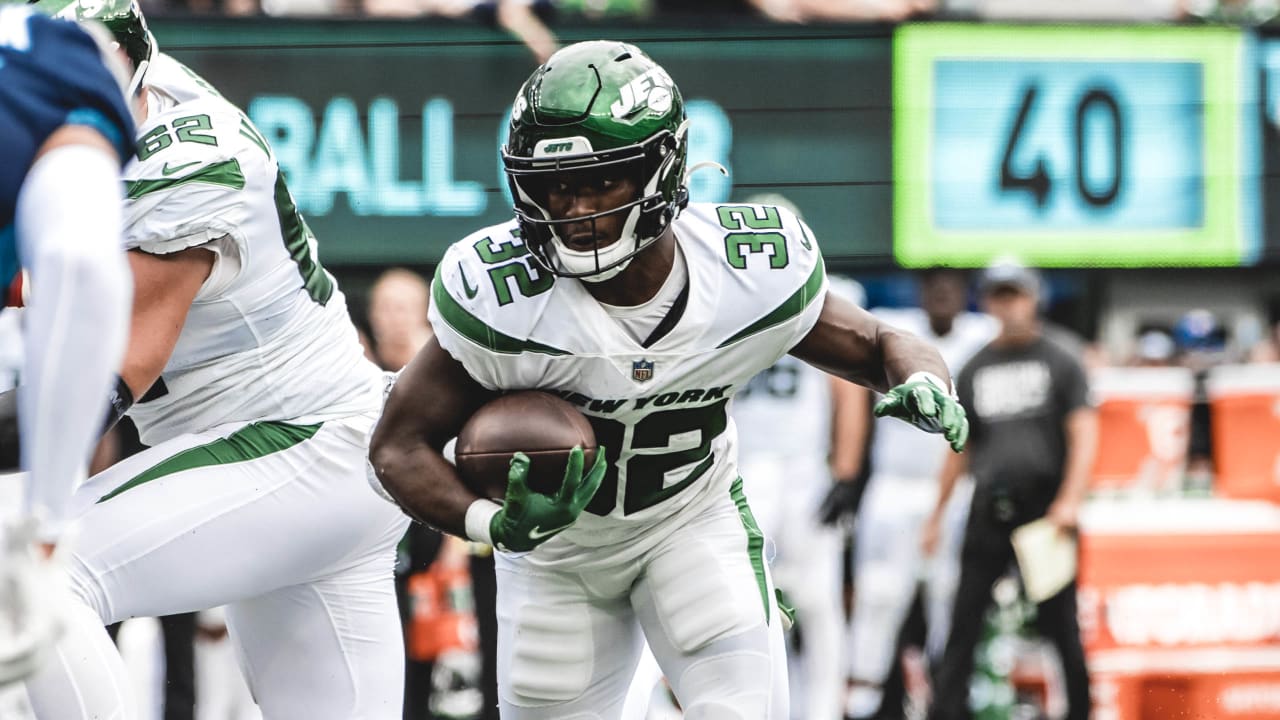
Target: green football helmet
597 105
125 21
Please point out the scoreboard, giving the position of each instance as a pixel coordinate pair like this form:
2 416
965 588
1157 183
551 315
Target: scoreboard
1071 145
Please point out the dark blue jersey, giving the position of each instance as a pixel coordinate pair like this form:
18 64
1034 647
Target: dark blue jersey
51 74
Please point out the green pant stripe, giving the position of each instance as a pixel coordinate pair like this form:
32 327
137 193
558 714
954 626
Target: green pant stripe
755 541
248 443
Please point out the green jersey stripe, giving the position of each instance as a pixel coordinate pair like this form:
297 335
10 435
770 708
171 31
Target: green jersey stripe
789 308
226 173
248 443
475 329
755 541
248 131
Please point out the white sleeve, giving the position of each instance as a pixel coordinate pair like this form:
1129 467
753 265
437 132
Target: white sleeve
68 227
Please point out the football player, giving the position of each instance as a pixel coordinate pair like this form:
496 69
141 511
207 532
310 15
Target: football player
648 313
255 398
900 495
65 131
799 430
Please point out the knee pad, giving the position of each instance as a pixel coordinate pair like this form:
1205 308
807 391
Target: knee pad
552 655
729 686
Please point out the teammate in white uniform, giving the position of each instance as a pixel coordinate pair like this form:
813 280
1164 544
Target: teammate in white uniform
648 315
900 495
256 398
788 450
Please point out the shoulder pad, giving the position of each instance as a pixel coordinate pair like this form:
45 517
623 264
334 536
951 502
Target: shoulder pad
196 142
771 266
489 289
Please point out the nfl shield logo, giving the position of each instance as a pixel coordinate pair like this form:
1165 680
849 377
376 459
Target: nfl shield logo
642 370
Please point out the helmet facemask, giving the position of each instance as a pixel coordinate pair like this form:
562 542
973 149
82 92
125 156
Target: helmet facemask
656 165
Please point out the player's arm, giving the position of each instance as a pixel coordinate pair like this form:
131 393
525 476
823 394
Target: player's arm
164 288
853 344
850 423
68 221
431 400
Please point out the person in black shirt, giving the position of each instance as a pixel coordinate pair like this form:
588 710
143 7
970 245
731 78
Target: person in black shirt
1032 441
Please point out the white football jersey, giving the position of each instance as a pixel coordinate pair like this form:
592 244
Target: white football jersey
268 336
756 283
899 449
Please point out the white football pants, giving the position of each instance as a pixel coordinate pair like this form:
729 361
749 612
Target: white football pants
697 590
888 568
804 557
275 521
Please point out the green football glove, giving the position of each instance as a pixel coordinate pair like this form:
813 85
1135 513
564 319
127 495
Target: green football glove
924 401
528 519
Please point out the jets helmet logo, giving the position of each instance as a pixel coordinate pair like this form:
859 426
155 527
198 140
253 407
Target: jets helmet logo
653 90
642 370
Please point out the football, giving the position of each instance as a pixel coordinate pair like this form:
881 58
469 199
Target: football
538 424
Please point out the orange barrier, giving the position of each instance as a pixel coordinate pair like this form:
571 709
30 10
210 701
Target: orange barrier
1180 609
1144 416
1245 405
441 614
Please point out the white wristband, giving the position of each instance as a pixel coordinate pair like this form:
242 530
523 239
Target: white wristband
934 380
479 514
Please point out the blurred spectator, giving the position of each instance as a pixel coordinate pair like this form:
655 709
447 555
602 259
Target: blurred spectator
521 18
1155 348
1068 9
903 489
1267 350
843 10
1232 11
598 9
1201 343
1031 447
1201 340
398 317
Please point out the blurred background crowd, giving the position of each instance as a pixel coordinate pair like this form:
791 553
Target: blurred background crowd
529 19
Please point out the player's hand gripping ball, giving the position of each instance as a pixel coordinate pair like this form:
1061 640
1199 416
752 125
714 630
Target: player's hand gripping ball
528 519
925 401
530 449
